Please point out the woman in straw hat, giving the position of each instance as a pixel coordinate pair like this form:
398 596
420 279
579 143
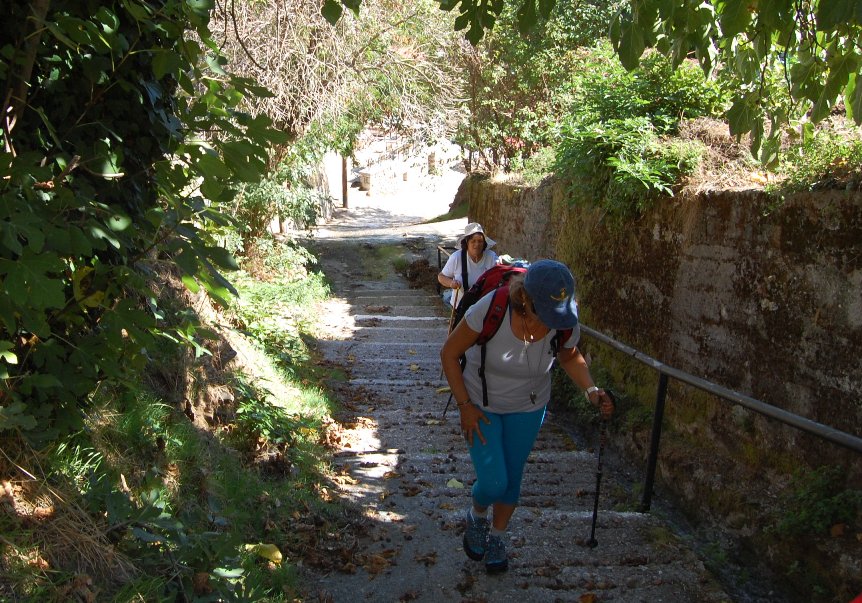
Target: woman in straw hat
464 267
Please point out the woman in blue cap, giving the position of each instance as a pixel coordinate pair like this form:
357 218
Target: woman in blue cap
518 360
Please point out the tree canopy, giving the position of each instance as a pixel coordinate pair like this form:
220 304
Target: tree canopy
788 62
391 62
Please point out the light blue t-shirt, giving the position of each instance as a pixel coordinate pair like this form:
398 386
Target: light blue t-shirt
513 369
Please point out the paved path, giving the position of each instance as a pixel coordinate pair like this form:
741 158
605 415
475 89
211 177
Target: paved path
408 471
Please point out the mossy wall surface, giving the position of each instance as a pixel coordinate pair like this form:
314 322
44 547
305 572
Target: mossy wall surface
762 300
757 297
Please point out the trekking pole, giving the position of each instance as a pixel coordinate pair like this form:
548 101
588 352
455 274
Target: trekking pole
603 434
451 318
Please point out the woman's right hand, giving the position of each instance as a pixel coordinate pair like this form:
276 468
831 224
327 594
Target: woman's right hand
470 417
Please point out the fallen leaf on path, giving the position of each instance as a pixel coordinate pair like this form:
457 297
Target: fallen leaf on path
548 571
454 483
377 309
345 479
444 390
414 367
376 564
267 551
429 559
410 490
587 598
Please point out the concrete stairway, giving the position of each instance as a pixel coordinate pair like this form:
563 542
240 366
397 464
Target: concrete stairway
407 468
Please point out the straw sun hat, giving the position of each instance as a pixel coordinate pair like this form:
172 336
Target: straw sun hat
476 228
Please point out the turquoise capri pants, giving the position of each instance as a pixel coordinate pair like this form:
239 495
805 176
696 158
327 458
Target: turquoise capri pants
499 463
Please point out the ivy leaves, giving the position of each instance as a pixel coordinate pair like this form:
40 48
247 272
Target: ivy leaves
128 140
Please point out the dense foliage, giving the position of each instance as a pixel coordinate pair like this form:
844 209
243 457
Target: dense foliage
389 66
616 146
808 51
519 83
122 140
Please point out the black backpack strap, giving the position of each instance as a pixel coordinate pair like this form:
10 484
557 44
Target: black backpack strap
559 339
464 283
482 377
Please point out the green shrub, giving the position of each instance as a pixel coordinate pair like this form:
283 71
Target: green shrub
604 90
622 165
615 147
815 501
538 165
260 202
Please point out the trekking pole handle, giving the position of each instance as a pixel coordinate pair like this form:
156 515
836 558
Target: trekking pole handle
454 305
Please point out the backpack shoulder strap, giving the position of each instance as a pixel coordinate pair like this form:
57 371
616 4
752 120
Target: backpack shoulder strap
494 315
490 325
559 339
464 270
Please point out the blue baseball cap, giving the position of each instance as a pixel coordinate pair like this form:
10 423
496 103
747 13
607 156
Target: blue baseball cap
551 286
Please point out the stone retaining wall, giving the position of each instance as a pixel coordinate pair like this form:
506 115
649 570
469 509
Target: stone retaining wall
761 299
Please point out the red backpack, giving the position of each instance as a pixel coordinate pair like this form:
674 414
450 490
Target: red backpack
495 279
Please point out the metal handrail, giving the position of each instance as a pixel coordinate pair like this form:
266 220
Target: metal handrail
665 371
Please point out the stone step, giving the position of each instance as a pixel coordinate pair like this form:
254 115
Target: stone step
381 332
382 310
402 288
385 371
344 349
400 455
398 297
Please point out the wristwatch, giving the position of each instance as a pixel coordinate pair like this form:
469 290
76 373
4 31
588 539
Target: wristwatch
590 390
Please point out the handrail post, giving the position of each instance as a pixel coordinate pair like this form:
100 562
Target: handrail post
658 417
439 267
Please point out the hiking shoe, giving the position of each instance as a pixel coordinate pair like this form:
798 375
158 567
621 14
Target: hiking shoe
495 555
476 536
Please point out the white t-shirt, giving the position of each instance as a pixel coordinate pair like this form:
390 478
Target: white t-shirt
513 369
452 269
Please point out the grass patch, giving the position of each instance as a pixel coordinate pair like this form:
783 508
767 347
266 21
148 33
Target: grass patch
828 158
456 213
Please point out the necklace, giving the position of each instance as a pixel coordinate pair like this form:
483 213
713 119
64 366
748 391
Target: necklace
527 330
534 377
